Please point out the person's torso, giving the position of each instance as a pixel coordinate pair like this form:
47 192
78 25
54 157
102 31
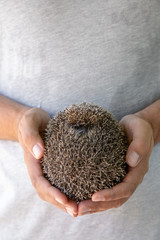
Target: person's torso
55 53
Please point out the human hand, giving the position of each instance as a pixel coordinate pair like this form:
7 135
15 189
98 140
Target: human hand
32 123
141 142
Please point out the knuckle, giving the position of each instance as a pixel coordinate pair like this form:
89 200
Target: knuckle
118 204
105 197
36 186
50 193
20 125
141 179
41 196
27 138
34 183
142 146
130 191
146 168
113 194
23 121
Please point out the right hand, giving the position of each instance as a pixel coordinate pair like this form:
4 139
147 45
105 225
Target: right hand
31 124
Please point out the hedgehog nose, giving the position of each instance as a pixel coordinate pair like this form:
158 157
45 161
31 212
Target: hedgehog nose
80 129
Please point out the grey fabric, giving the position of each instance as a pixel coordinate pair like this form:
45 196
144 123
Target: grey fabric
55 53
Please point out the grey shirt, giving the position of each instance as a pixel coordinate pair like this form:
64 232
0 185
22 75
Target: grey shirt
55 53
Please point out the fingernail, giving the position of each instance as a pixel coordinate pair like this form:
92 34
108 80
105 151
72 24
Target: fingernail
37 150
58 200
97 199
70 211
134 159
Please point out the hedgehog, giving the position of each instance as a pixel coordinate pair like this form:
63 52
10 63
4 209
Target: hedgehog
85 150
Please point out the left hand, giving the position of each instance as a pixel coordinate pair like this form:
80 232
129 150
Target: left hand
32 123
141 142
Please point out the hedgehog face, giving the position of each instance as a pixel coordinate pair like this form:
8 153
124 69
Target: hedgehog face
85 149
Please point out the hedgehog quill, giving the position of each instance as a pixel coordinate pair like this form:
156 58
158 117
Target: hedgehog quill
85 149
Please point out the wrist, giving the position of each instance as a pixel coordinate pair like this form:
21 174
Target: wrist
151 114
11 113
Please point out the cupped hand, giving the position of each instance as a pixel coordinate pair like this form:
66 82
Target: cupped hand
141 142
32 123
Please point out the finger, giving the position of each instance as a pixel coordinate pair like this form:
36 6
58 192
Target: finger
54 196
88 207
43 187
39 182
72 208
124 189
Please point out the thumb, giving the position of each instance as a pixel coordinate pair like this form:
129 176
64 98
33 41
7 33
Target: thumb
138 135
29 136
138 148
33 143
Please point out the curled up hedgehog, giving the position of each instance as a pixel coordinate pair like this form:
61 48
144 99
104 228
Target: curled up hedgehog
85 149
